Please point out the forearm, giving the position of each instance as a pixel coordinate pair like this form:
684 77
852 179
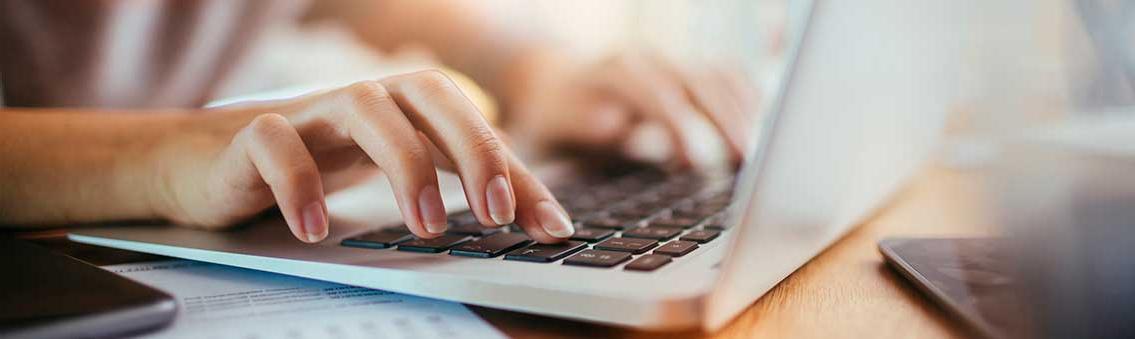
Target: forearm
65 166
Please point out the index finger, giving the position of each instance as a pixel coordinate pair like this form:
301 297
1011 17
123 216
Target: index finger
436 107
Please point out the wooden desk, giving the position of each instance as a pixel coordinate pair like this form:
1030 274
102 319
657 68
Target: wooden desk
847 291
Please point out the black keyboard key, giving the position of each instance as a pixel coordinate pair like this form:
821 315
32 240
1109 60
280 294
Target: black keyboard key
597 258
475 229
435 245
591 234
701 236
715 227
675 221
676 248
711 206
721 200
546 252
648 262
611 223
492 245
633 245
383 238
692 213
656 233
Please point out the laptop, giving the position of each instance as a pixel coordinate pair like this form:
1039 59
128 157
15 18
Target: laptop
656 250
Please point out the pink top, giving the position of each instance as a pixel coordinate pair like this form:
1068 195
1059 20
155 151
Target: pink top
126 53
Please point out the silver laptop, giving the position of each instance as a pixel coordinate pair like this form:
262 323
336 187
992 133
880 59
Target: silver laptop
857 111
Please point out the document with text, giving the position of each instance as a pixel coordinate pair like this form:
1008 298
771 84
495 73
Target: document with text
217 301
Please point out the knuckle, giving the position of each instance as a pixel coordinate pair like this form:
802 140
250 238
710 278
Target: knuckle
267 126
369 94
431 82
483 142
413 156
293 178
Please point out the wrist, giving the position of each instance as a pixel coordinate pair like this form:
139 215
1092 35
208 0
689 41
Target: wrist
163 162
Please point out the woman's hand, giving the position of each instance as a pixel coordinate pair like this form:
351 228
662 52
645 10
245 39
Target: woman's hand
598 105
229 165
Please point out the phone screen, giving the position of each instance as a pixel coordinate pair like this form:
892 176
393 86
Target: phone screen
47 294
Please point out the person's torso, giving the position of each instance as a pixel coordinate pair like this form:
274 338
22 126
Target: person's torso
125 53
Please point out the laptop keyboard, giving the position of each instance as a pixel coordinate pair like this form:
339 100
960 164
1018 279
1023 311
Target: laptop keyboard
645 219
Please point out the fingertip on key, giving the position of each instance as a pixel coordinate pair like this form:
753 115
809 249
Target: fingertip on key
314 222
432 210
498 197
553 220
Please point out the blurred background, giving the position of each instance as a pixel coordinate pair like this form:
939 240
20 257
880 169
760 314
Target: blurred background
322 52
1045 112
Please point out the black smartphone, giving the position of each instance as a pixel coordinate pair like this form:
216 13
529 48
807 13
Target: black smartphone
50 295
971 278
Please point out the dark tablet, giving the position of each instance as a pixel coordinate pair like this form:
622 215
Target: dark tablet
50 295
970 278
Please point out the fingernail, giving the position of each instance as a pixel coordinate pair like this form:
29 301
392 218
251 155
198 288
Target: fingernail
499 198
554 221
432 209
314 221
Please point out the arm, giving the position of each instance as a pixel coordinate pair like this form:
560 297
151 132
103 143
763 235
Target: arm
221 166
90 167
